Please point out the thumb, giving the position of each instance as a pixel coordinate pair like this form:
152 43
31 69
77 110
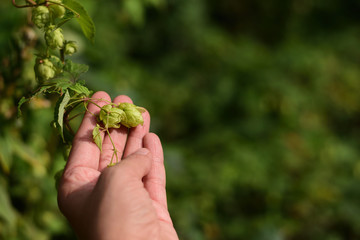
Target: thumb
136 165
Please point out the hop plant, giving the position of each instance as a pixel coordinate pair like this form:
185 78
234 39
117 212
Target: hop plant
44 69
54 37
70 48
133 114
65 74
111 116
57 10
41 16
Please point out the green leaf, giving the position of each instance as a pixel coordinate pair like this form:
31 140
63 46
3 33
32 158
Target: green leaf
75 69
20 103
59 112
97 137
42 89
62 83
85 21
67 17
80 89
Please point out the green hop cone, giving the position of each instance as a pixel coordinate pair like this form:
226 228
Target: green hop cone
44 69
70 48
57 10
40 16
111 116
133 114
54 37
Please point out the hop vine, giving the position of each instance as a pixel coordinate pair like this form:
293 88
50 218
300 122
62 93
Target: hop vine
56 73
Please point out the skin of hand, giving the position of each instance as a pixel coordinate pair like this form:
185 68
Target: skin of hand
126 201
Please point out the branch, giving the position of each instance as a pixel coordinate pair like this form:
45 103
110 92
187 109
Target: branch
32 2
20 6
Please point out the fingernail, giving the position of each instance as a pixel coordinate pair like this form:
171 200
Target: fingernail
143 151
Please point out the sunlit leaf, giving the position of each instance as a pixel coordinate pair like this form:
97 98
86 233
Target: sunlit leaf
85 21
59 112
62 84
80 89
75 69
97 136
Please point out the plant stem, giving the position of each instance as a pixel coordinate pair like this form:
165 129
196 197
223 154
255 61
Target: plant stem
87 110
31 2
94 103
62 55
73 107
67 124
20 6
66 119
76 115
115 150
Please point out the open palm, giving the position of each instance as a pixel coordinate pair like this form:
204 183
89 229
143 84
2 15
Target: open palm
127 201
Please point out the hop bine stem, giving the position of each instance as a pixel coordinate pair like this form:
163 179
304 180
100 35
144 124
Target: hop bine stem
32 3
115 151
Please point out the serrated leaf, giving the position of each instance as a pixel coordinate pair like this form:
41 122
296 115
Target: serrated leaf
42 89
81 81
67 17
86 23
62 83
97 137
75 69
59 112
80 89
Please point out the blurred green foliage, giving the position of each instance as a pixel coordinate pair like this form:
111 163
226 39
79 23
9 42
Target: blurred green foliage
257 104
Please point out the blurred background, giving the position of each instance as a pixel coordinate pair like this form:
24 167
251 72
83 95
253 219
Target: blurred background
257 104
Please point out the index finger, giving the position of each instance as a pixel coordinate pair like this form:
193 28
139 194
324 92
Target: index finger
84 151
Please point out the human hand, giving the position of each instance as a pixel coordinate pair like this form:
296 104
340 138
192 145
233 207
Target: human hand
126 201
